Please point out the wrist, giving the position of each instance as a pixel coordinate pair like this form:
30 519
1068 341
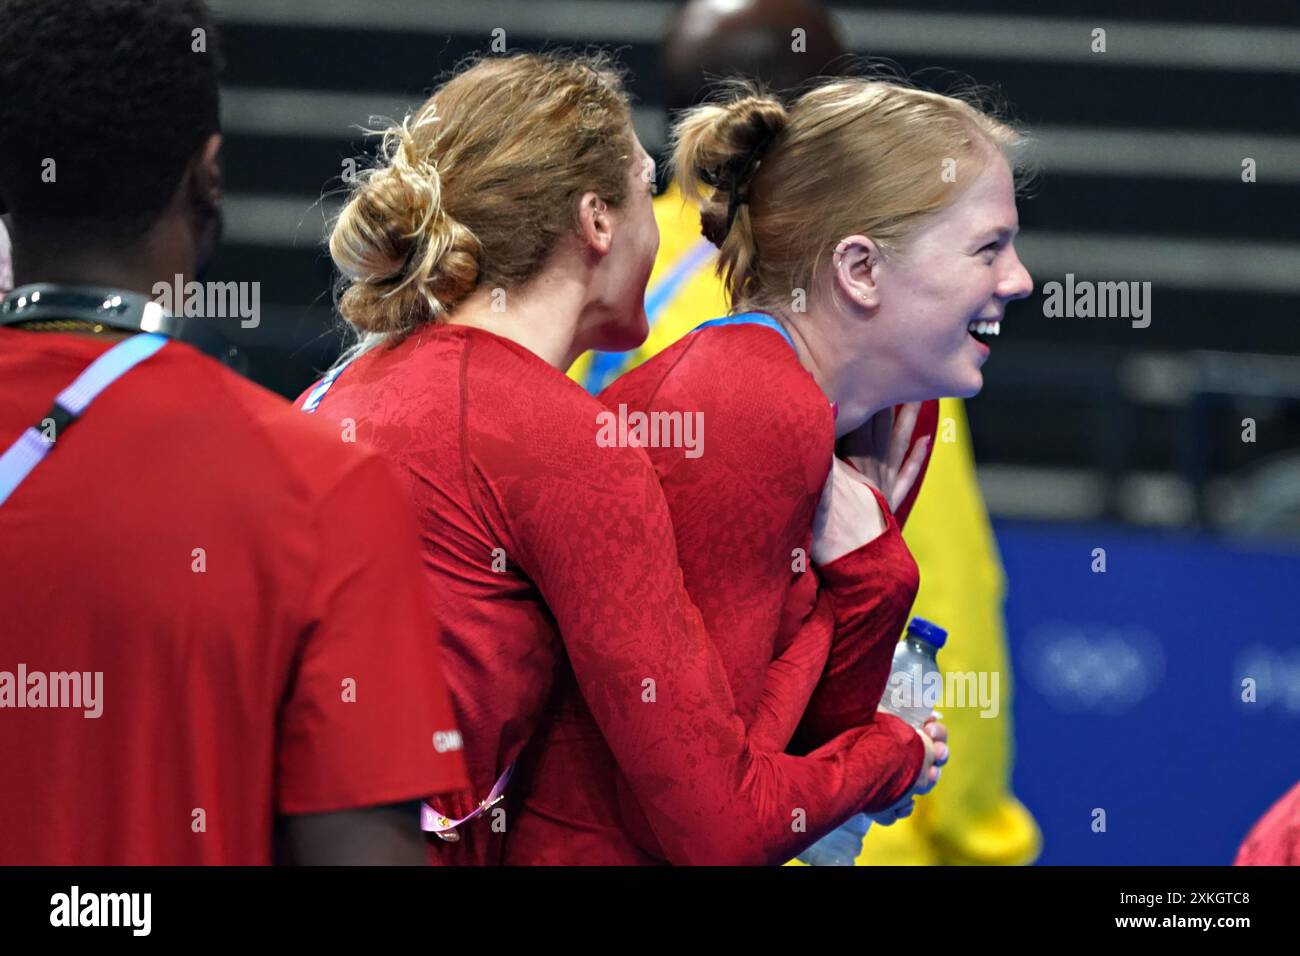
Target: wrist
905 769
856 515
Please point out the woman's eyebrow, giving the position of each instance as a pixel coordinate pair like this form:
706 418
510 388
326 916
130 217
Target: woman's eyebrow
1001 233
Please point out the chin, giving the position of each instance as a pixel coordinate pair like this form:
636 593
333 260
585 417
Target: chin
626 335
968 386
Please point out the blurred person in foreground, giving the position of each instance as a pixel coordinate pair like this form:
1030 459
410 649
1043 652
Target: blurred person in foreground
976 820
216 644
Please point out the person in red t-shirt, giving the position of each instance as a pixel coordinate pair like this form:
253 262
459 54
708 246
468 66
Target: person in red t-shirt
478 267
217 647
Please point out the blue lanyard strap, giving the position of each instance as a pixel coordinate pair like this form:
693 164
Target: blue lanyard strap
32 445
749 318
310 405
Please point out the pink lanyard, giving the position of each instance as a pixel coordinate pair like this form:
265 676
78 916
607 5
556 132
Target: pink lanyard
431 821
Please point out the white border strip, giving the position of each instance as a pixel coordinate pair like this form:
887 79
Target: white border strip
1167 154
568 21
1201 46
315 114
258 220
890 32
1210 264
1178 154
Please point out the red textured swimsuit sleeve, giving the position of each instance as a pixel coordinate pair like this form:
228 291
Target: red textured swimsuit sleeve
872 590
769 418
589 525
793 674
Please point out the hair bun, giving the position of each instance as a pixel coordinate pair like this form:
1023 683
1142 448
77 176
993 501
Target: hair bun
721 146
406 258
475 190
750 125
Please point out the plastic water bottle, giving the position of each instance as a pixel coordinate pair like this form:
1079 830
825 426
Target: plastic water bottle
911 692
905 697
841 846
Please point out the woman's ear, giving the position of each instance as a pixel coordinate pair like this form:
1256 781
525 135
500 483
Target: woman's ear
595 223
855 266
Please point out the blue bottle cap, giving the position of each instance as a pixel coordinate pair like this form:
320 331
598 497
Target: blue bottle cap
932 634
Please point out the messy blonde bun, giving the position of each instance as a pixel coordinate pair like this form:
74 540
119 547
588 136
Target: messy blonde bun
717 151
466 192
406 258
851 155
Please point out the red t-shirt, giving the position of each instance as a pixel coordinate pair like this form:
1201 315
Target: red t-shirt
564 607
246 584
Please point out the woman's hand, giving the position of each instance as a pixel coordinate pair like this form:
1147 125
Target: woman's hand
848 515
878 450
934 735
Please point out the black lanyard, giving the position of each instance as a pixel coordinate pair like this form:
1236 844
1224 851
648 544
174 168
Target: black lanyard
116 308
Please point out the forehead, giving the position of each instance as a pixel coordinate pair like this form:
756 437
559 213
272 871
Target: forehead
642 162
988 203
984 207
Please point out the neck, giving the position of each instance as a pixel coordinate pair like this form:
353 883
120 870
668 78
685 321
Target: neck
544 316
858 385
134 267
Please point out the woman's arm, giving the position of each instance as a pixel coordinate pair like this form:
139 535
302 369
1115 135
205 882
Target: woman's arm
872 591
793 673
873 587
590 527
823 683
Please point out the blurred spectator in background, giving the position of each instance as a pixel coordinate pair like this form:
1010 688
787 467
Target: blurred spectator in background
973 818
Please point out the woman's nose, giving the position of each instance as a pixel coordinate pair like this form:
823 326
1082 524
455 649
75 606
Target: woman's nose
1018 283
